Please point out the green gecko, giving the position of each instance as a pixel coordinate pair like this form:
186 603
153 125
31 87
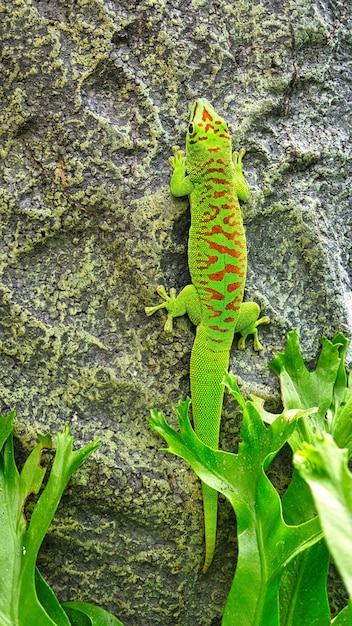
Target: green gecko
217 257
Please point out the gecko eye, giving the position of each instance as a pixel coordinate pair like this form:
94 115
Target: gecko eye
190 129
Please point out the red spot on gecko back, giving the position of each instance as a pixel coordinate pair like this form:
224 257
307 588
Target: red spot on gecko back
214 295
219 181
218 329
217 229
237 301
219 170
233 286
231 220
215 312
228 269
224 249
209 217
205 264
219 194
233 306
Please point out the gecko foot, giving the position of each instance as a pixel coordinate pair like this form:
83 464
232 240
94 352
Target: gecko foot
253 330
164 305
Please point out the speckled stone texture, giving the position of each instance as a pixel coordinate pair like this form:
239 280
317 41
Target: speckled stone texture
94 93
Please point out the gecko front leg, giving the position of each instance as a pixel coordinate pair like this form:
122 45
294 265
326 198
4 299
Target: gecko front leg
180 183
239 179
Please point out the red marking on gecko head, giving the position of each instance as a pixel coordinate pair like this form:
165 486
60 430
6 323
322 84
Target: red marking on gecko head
195 110
206 115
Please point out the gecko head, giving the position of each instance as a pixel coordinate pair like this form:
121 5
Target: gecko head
207 134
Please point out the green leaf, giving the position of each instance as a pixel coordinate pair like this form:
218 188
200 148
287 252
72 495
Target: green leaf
6 426
344 618
301 388
65 464
13 493
303 592
324 467
49 601
32 474
341 379
20 541
280 543
266 543
340 419
325 388
89 614
77 618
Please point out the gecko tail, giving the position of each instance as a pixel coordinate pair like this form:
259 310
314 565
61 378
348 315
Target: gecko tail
207 369
210 505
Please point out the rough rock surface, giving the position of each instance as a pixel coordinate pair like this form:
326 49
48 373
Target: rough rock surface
93 95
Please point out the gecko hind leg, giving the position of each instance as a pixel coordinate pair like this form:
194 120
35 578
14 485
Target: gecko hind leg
248 323
167 304
187 301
